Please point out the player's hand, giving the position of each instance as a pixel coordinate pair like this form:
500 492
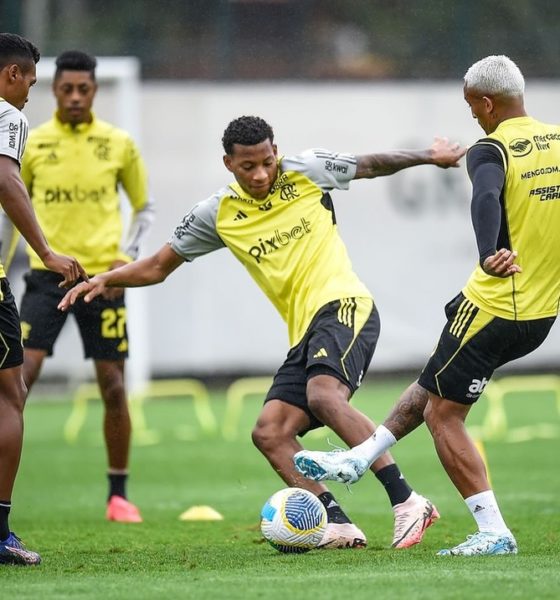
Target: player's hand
113 293
445 154
502 264
86 289
67 266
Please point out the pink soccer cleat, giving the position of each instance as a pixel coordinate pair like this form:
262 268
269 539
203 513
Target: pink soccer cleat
412 518
121 510
342 535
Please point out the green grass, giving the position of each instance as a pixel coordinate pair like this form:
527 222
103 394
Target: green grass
59 510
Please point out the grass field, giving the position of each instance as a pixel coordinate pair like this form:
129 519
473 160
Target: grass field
59 511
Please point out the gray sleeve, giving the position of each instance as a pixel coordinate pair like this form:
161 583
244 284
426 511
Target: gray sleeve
327 169
13 131
196 235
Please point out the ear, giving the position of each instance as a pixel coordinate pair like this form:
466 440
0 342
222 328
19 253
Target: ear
275 149
488 104
227 162
13 72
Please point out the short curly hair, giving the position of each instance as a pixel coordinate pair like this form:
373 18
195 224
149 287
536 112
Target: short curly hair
247 131
75 60
16 49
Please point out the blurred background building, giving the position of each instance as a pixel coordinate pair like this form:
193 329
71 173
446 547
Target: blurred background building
296 39
349 75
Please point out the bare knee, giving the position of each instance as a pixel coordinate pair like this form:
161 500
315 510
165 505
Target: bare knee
441 414
110 378
13 392
277 425
264 436
325 394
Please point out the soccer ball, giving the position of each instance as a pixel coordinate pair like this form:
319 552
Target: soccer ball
293 520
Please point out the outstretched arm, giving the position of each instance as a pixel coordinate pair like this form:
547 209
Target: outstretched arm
148 271
441 153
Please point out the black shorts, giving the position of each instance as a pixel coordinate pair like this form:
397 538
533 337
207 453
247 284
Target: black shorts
11 350
102 323
340 341
473 344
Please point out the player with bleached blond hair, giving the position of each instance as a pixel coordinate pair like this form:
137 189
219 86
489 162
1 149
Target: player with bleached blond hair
504 312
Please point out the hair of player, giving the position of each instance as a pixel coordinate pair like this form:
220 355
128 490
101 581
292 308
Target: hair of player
15 49
247 131
495 75
75 60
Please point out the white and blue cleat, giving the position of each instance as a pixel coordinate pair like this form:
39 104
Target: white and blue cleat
483 544
336 465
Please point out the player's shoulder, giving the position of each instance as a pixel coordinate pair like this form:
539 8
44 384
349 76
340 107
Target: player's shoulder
8 112
211 203
307 156
45 129
488 146
107 129
315 157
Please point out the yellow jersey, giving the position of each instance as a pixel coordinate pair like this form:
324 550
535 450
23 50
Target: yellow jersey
530 225
73 176
288 242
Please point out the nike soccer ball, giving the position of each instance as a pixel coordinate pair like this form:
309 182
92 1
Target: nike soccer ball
293 520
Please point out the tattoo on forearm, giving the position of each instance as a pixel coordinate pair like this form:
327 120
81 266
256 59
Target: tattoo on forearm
376 165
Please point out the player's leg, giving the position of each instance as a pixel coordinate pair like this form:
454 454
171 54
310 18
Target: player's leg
117 434
12 401
32 364
348 331
465 467
275 435
41 321
329 399
116 421
350 465
102 325
487 343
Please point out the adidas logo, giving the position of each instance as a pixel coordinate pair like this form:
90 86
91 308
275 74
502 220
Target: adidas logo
321 354
478 508
240 216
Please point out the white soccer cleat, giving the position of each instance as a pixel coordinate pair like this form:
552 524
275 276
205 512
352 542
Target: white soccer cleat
483 543
412 518
342 535
336 465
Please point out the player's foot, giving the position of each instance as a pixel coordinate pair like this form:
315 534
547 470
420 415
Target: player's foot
336 465
121 510
412 518
483 543
342 535
13 552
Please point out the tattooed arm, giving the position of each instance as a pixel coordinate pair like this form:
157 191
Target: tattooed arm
441 153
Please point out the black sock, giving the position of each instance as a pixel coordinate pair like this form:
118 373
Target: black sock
335 514
394 483
117 484
5 506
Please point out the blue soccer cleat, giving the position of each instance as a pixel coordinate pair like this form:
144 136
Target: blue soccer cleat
13 552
